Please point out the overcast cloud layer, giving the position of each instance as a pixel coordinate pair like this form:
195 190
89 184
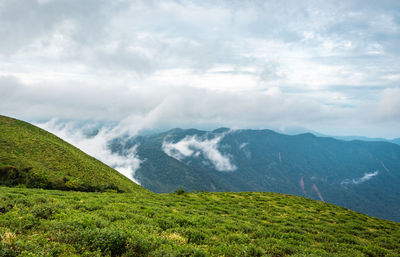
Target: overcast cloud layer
330 66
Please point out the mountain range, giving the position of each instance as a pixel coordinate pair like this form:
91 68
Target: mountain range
363 176
301 130
369 139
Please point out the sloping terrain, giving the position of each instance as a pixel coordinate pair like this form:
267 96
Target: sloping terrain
36 222
33 157
363 176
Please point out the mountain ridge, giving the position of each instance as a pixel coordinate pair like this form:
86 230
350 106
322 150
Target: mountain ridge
342 172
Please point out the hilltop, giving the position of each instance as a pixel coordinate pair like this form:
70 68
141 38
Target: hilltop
33 157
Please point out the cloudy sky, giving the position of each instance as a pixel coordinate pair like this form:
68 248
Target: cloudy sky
330 66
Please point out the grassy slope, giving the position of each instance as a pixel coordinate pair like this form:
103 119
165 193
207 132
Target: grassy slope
23 145
37 222
60 223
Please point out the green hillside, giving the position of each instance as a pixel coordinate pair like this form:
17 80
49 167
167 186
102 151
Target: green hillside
66 223
33 157
44 222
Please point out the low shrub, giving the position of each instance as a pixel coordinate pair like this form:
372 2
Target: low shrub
180 191
196 237
43 211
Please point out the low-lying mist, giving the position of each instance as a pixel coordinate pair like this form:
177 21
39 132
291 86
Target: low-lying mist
93 139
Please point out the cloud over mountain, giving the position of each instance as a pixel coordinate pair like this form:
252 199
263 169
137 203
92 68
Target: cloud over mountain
95 143
356 181
192 146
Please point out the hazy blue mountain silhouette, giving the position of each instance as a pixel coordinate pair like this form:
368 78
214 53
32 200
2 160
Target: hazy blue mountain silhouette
364 176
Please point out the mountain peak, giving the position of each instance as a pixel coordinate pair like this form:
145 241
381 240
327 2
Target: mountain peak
221 130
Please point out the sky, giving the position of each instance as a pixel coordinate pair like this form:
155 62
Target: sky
328 66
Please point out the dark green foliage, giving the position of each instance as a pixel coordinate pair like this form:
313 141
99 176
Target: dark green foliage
180 191
12 176
107 241
34 158
6 250
43 211
67 223
196 237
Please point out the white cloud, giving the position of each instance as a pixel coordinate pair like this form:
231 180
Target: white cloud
314 64
243 145
166 107
97 145
194 146
356 181
389 104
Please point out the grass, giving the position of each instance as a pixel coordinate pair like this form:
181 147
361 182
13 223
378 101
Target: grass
137 222
33 157
36 222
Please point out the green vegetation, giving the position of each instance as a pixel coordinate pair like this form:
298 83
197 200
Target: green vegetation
32 157
36 222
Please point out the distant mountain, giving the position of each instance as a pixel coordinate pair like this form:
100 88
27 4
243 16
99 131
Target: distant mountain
363 176
293 130
33 157
395 141
301 130
368 139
